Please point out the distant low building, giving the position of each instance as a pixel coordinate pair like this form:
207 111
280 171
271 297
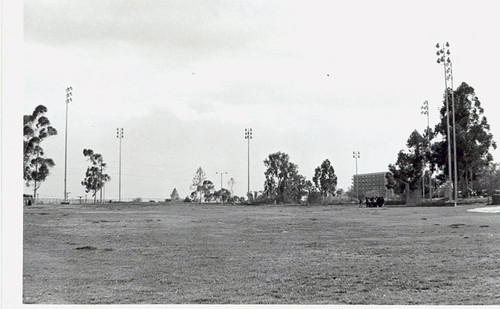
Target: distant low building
371 184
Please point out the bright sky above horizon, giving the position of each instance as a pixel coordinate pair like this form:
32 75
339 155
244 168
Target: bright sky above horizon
314 79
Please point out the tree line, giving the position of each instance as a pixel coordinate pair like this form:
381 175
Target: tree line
36 164
426 155
283 184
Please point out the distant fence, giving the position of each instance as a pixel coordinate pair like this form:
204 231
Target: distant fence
83 200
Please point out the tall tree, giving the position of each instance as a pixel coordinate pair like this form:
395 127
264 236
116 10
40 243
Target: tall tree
325 178
230 183
95 178
174 196
488 179
296 186
197 183
279 173
36 165
408 169
473 137
207 189
222 195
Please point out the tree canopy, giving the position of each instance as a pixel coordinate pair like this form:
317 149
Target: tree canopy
408 169
283 183
95 178
36 165
174 196
473 137
325 179
198 179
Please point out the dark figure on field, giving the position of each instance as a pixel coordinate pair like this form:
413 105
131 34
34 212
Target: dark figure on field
369 201
373 201
380 201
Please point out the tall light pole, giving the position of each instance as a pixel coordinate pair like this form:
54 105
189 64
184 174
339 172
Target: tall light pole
248 137
119 135
455 187
425 111
355 155
221 173
69 95
444 57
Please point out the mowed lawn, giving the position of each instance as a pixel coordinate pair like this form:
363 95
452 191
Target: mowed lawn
187 253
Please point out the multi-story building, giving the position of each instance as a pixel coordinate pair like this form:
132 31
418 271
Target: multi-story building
371 184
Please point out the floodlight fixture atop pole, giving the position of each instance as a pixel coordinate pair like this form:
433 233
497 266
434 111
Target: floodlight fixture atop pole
69 98
355 155
119 135
248 137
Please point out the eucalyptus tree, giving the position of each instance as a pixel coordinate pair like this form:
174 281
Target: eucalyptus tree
406 173
36 165
197 184
325 179
95 176
283 182
473 137
174 196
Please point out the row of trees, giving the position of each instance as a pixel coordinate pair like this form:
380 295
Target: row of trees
283 184
204 190
427 153
36 164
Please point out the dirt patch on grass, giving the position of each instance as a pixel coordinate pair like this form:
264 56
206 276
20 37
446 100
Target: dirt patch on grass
89 248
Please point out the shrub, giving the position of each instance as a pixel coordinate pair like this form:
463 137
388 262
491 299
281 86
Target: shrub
315 198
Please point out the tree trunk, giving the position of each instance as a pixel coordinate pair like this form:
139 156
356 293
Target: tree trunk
466 184
471 181
407 191
36 175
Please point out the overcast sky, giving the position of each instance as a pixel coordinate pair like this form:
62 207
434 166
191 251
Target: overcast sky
314 79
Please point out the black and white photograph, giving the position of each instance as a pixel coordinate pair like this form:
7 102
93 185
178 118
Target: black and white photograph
217 152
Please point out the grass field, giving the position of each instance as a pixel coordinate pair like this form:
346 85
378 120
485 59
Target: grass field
186 253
